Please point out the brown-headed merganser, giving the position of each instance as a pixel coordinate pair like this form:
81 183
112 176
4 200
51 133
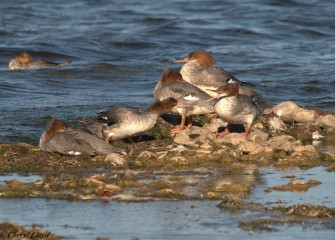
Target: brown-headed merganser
25 61
124 122
58 137
236 108
199 70
193 101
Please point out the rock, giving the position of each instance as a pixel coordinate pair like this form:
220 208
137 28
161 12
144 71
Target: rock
313 182
198 134
285 110
328 156
169 193
179 149
258 125
248 147
203 151
263 152
294 186
124 197
179 160
257 152
327 121
276 124
258 136
147 154
306 210
116 160
231 138
304 115
206 146
309 150
283 142
302 159
112 188
183 138
214 125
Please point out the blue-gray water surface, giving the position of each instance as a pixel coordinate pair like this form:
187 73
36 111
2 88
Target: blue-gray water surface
118 51
191 220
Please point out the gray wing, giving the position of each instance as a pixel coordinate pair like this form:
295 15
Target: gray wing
215 73
93 127
249 105
184 89
223 75
118 114
165 92
75 142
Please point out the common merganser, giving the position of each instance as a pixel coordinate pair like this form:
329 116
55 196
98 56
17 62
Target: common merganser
236 108
25 61
58 137
193 101
124 122
199 70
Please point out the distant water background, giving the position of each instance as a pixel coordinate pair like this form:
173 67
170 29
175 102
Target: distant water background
119 49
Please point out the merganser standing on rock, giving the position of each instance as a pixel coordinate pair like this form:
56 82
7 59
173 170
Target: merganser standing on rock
193 101
58 137
199 70
25 61
236 108
123 122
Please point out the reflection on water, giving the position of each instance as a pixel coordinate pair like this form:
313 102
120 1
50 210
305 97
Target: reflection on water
15 176
317 195
176 219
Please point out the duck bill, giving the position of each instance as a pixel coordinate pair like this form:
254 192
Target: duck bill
183 60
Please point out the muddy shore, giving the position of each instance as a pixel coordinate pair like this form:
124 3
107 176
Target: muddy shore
191 165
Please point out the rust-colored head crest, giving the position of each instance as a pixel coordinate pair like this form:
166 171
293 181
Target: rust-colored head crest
55 126
23 58
164 106
169 76
230 89
202 57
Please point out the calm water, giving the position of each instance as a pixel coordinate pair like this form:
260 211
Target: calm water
193 220
119 48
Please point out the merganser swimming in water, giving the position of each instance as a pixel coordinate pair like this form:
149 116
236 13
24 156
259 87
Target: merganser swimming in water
199 70
25 61
58 137
236 108
124 122
193 101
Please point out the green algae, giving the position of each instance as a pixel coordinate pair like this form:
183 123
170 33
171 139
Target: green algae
307 210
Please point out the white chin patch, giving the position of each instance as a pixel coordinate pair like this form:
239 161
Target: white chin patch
231 80
191 98
74 153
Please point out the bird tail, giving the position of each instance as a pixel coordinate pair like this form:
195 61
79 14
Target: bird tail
64 63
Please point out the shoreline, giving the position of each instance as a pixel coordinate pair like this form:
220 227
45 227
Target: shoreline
192 165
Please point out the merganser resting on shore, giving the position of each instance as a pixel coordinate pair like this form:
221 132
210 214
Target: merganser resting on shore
58 137
123 122
193 100
236 108
25 61
199 71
